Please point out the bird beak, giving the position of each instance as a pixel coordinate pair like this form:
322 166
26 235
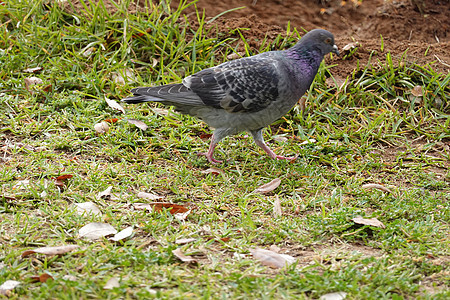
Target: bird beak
335 50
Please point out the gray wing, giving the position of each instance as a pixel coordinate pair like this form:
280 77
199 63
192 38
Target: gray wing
245 85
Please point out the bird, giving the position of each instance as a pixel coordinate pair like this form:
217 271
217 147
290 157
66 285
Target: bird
245 94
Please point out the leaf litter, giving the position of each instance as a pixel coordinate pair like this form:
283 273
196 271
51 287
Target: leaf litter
181 256
272 259
369 222
49 251
268 187
87 208
95 231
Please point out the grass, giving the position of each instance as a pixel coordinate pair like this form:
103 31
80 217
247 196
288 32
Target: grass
372 130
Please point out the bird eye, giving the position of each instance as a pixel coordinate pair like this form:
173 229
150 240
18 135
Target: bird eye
328 41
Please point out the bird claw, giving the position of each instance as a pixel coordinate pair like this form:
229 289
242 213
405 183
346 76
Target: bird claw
291 159
210 158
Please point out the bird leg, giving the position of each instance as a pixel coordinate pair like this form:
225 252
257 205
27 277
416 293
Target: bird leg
259 140
209 154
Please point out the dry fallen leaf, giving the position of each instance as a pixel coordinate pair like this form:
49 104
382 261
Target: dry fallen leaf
7 286
101 127
182 216
149 196
88 52
173 208
106 194
32 70
279 138
349 47
308 141
41 278
417 91
272 259
180 255
113 282
277 212
123 76
139 124
58 250
94 231
334 296
59 181
370 222
114 105
63 177
112 121
123 234
31 81
370 186
69 277
214 171
268 187
184 241
87 208
160 111
142 206
21 185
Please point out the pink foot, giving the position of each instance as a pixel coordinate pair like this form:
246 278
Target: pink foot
292 158
272 154
210 158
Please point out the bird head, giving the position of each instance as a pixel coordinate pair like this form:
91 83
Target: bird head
321 39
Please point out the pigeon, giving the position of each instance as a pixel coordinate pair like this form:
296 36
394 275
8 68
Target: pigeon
246 94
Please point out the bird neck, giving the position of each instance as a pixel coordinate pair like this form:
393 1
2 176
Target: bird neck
307 60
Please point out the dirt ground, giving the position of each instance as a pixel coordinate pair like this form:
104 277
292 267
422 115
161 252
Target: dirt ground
420 27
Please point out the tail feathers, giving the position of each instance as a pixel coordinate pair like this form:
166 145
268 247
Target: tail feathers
140 99
171 94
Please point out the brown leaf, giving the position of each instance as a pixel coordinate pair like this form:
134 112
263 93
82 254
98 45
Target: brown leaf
48 88
205 136
272 259
139 124
173 208
58 250
63 177
370 222
111 121
114 105
370 186
180 255
41 278
30 81
268 187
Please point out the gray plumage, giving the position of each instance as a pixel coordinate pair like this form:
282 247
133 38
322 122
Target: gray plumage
246 94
